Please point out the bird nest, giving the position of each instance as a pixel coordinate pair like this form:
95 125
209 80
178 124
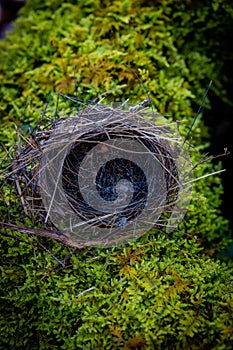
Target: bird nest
104 176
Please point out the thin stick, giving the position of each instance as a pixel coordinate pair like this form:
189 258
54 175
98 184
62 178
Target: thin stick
198 112
55 258
59 236
204 176
21 196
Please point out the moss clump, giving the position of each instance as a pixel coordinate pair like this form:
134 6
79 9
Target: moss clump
157 292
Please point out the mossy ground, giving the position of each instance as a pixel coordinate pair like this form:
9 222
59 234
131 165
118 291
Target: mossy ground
158 292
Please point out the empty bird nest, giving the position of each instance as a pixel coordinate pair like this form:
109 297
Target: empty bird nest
101 177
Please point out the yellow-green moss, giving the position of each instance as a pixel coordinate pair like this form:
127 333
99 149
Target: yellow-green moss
157 293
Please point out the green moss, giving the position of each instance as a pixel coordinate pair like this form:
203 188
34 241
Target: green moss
157 292
161 294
